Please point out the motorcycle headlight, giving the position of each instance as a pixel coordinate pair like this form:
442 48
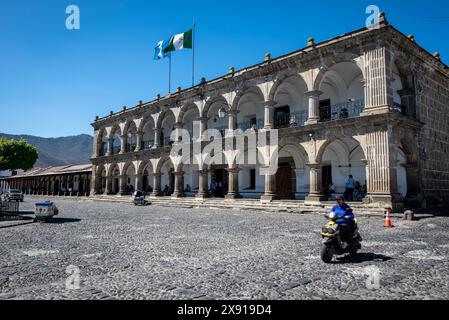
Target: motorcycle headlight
332 215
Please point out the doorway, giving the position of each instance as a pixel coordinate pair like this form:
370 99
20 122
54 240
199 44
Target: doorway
284 181
220 180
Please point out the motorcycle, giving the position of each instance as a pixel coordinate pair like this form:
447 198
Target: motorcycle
332 243
139 198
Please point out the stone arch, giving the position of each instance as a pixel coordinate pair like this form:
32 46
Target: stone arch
297 152
282 78
291 101
128 124
113 176
408 171
340 157
102 142
129 174
147 120
165 168
130 136
166 123
335 60
211 101
115 138
163 115
100 178
293 157
188 115
188 106
145 165
146 171
244 91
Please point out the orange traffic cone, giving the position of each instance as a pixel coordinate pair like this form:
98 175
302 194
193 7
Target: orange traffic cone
388 223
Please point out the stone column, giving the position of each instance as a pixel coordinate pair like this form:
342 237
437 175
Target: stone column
156 185
233 181
110 144
270 188
314 106
139 137
123 139
315 194
139 181
122 185
108 186
178 127
381 170
95 183
378 81
203 188
299 173
203 128
157 138
232 120
269 114
179 185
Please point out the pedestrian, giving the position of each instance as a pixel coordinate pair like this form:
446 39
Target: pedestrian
349 193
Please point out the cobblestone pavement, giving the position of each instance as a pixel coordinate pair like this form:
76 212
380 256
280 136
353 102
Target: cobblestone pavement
127 252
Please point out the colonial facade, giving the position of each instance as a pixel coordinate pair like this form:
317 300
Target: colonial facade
371 103
70 180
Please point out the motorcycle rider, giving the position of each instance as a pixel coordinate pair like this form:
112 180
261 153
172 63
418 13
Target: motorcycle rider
344 217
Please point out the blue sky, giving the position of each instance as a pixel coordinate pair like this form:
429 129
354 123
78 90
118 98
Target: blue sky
53 82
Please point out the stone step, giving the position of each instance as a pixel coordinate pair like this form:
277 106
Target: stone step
242 204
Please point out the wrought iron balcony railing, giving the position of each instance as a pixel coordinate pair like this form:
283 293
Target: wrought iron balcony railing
344 110
251 125
291 120
116 150
147 144
130 147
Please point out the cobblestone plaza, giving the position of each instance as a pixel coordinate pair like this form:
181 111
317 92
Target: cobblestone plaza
127 252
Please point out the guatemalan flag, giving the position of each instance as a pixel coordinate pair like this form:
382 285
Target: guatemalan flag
159 51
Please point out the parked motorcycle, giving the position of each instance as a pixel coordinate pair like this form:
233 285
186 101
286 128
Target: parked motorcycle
333 244
139 198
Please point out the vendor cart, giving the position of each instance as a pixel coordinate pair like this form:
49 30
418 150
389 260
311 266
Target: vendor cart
45 211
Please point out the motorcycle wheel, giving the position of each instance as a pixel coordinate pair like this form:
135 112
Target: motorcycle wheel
326 254
353 251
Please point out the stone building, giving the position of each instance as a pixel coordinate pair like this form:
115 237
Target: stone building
371 103
70 180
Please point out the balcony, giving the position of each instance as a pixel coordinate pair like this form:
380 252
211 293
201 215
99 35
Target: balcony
147 144
344 110
251 125
290 120
116 150
131 147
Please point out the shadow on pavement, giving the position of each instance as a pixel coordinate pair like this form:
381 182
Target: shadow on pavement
363 257
56 220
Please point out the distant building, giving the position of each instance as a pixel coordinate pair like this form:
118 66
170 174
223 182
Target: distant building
4 186
70 180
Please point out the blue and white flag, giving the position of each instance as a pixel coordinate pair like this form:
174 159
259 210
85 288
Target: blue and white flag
159 50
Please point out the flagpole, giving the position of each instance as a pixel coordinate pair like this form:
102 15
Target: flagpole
193 54
169 72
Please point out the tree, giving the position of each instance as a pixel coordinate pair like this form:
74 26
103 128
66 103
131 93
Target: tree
17 154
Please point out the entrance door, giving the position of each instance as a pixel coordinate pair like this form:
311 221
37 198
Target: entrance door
116 186
325 110
284 182
220 176
327 174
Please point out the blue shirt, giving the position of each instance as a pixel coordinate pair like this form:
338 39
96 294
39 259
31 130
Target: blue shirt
342 211
350 184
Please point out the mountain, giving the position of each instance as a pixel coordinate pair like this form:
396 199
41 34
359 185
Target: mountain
59 151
